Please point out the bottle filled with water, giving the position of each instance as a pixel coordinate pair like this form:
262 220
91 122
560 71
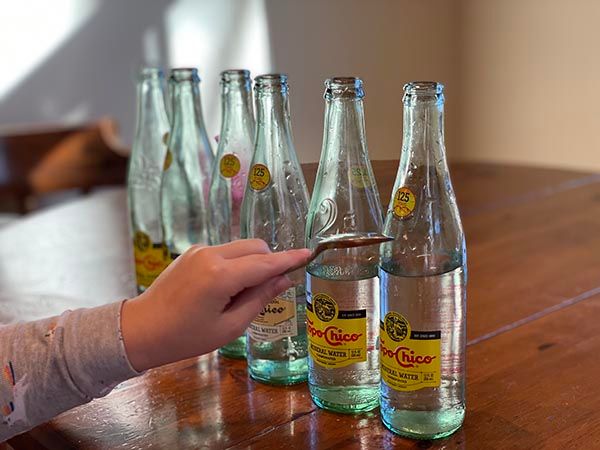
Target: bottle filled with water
274 210
423 281
342 284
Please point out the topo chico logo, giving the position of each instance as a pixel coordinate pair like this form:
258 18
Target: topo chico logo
396 326
325 307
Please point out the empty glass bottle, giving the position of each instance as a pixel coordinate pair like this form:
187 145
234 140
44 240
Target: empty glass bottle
205 153
144 178
230 172
183 204
274 209
342 285
423 281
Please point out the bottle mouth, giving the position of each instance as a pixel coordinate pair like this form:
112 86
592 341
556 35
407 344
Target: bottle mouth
271 82
150 72
424 90
235 75
344 87
184 74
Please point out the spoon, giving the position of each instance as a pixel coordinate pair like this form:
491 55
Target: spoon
345 240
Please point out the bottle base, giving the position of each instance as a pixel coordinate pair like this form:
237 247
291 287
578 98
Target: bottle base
236 349
346 399
424 424
280 373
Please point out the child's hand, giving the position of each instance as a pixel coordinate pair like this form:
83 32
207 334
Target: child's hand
204 299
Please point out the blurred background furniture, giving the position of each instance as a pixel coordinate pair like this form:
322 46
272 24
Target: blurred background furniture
41 166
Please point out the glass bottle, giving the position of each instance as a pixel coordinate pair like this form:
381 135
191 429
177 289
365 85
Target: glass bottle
144 178
274 209
342 285
423 281
205 153
230 172
183 204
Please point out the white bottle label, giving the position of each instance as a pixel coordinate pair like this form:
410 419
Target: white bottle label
277 320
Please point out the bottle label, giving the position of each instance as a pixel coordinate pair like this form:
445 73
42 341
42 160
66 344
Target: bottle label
260 177
168 160
335 338
229 165
277 320
150 259
404 202
410 360
359 177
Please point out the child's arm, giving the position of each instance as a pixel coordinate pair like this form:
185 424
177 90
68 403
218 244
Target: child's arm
207 297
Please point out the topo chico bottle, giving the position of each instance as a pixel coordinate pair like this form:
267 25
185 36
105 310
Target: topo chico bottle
342 285
274 209
144 178
183 202
230 172
423 281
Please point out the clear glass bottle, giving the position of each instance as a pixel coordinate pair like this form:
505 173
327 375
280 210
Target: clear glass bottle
423 281
230 172
144 178
183 204
205 152
342 285
274 209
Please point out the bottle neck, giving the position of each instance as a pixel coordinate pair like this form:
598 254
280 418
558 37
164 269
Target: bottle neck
344 128
274 129
150 107
423 136
237 108
184 110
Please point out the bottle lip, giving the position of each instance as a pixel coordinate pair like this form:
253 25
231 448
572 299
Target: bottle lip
271 82
344 87
424 87
235 75
150 72
184 74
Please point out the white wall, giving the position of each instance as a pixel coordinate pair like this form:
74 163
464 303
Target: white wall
75 60
529 82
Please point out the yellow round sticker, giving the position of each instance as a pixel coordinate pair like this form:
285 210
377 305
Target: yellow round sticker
229 165
260 177
404 202
168 160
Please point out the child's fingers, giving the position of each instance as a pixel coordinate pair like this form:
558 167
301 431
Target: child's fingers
250 302
241 247
253 270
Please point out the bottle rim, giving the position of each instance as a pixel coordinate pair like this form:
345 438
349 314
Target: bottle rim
344 87
271 82
424 87
235 75
150 72
184 74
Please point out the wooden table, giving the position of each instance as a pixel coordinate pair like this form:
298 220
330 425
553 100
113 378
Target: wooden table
533 239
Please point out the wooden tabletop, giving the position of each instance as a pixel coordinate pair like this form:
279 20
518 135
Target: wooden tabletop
533 240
